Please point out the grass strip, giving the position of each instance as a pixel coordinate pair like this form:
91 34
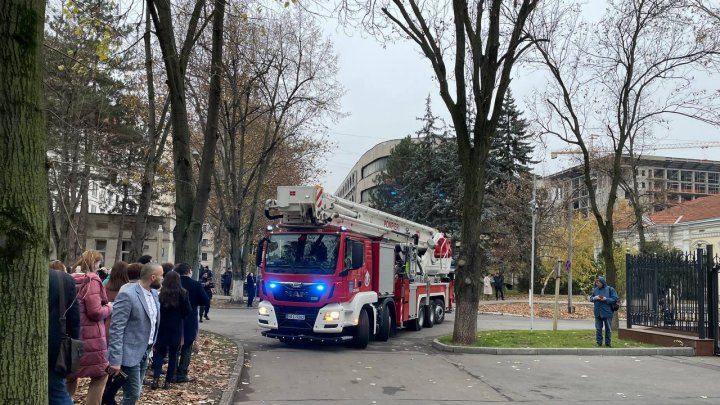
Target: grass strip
544 338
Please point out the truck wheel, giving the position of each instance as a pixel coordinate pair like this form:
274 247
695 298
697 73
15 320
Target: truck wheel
417 323
362 331
439 310
429 316
385 324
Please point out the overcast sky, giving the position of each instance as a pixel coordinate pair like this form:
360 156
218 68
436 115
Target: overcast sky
386 90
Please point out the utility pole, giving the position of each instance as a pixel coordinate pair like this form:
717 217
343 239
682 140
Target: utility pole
568 264
533 208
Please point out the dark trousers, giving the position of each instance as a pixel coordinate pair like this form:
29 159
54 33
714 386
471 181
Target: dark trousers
57 393
159 359
185 355
599 324
499 293
226 289
251 296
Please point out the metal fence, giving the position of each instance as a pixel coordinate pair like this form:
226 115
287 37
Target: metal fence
675 292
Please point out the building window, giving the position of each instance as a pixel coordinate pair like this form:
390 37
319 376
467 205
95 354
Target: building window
206 227
204 256
686 175
205 242
672 185
366 195
93 189
713 188
642 185
125 253
700 188
375 166
700 177
713 178
673 174
643 173
93 208
101 246
659 173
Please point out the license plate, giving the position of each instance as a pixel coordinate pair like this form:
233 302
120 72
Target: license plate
298 317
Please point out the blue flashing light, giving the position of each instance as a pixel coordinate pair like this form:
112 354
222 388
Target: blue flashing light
272 285
320 287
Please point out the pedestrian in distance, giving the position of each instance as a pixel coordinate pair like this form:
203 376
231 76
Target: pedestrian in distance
94 309
499 283
227 281
190 323
251 285
144 259
207 284
487 286
133 330
59 282
174 307
603 296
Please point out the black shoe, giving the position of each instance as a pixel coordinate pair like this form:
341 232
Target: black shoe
599 345
155 384
608 345
182 379
201 321
206 318
167 385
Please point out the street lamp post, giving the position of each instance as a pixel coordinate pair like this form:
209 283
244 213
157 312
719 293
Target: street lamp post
533 209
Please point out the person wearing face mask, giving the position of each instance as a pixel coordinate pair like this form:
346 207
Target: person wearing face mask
134 329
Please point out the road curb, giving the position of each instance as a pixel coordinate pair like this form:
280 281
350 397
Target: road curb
228 395
600 351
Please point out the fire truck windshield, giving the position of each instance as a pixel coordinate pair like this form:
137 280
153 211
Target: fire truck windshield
303 253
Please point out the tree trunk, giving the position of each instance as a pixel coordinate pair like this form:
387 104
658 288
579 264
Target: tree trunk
190 204
148 177
468 274
23 206
121 228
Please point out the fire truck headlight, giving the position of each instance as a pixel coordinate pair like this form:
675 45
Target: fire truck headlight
264 311
332 316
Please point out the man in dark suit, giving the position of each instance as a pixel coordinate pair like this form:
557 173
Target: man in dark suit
190 323
60 281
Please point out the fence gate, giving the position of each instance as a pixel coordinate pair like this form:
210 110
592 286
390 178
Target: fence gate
675 292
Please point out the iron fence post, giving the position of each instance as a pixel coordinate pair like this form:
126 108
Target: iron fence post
628 270
712 296
700 262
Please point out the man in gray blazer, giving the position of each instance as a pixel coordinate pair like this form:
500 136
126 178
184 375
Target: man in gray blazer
133 330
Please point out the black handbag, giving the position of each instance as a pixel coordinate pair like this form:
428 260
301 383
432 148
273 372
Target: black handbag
71 350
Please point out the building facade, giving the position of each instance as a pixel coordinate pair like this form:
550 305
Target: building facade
662 182
360 181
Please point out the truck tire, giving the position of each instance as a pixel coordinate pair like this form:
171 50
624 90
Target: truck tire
417 323
362 331
385 324
429 316
439 310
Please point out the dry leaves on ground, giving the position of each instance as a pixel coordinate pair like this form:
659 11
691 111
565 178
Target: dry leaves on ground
541 310
212 363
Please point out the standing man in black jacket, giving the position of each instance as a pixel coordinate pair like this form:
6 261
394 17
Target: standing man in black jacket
190 323
60 281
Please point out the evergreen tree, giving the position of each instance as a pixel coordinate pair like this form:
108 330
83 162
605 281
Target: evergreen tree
422 179
511 152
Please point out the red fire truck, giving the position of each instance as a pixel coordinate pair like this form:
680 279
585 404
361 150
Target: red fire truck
337 271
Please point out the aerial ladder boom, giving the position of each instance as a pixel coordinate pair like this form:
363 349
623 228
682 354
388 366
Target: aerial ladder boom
310 206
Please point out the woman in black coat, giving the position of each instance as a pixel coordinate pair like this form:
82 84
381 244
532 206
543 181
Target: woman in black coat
174 306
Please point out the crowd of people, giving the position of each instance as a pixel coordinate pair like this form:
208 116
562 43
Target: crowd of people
135 316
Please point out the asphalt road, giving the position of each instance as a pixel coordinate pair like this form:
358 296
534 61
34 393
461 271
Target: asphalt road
407 370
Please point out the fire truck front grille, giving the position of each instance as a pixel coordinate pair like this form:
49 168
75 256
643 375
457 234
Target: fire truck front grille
298 293
296 317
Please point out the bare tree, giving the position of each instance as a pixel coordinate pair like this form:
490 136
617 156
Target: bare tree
472 47
627 75
280 86
191 199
